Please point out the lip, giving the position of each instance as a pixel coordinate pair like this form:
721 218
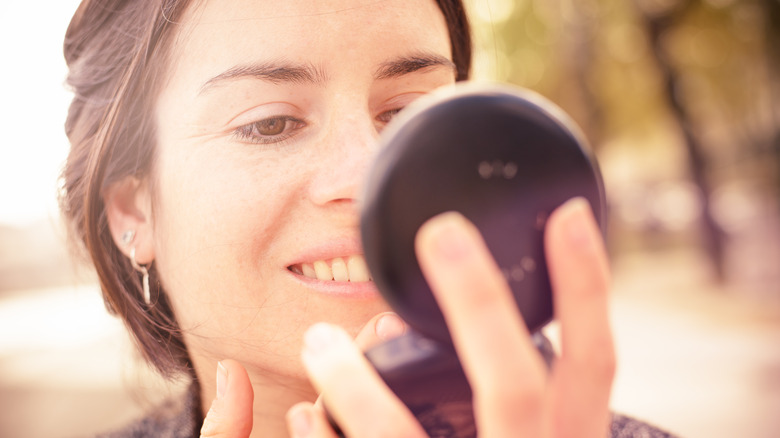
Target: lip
329 251
363 290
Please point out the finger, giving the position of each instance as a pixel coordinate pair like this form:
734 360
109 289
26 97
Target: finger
353 392
579 274
380 328
230 415
506 373
305 420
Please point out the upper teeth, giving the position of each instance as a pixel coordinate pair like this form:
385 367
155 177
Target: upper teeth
352 268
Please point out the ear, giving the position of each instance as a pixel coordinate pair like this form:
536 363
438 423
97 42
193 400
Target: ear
128 205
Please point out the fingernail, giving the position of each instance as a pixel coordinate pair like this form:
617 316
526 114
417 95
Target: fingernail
389 326
448 236
578 222
222 380
319 338
300 422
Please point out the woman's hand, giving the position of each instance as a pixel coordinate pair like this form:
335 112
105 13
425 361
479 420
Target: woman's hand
230 414
514 394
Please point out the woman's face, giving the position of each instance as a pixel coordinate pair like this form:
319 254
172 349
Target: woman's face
266 127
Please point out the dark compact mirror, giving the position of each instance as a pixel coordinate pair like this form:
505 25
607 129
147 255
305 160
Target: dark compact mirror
504 158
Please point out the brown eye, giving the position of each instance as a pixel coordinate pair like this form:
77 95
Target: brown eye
273 126
386 116
270 130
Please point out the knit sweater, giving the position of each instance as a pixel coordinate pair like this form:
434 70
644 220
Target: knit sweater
183 419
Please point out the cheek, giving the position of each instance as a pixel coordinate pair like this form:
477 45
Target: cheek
215 224
220 228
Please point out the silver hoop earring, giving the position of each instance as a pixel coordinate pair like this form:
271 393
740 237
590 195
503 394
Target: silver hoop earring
145 272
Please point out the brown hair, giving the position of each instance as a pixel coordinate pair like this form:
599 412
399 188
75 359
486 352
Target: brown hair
117 51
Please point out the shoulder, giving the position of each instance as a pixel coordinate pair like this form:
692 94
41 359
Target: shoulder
627 427
173 419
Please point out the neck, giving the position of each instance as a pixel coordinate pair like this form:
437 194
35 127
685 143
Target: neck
274 394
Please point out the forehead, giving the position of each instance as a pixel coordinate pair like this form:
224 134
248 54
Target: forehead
230 10
312 31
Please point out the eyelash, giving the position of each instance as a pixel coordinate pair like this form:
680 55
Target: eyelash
251 133
383 117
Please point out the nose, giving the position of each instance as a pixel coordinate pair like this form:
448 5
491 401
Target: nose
344 159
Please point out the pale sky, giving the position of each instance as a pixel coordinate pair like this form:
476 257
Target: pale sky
33 105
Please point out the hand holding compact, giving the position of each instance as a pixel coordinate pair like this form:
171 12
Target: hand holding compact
514 393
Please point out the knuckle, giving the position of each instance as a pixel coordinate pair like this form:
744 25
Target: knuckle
211 424
523 395
598 361
393 431
606 366
390 426
219 423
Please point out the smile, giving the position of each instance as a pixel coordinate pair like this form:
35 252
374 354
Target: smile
344 269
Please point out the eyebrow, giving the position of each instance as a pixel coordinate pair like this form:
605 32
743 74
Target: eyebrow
278 72
410 64
274 72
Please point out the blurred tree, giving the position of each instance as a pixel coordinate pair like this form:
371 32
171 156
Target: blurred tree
773 52
654 76
659 23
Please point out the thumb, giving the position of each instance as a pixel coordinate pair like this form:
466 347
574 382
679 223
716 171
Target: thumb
380 328
230 415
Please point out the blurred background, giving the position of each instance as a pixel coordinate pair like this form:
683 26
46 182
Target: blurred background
681 102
